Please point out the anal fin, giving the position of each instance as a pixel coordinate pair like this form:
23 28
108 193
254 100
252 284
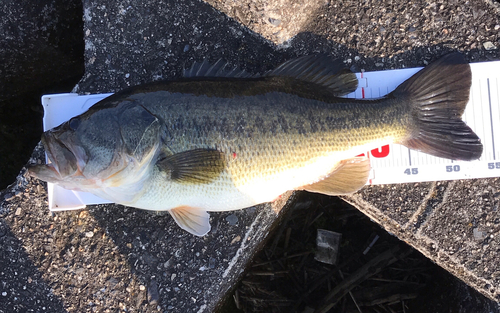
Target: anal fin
348 177
194 220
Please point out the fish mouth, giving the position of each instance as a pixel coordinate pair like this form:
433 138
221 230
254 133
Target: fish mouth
64 162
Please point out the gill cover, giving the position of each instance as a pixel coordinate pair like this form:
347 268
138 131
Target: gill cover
108 150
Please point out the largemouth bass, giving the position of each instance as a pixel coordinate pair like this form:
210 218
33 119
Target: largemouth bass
219 139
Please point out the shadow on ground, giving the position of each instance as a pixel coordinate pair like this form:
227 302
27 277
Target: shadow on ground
41 49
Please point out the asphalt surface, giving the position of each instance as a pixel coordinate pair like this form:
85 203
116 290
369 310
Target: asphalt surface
111 258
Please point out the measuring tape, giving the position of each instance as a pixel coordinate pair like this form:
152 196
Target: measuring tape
390 164
397 164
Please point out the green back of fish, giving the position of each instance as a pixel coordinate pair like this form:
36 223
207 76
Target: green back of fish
291 117
263 126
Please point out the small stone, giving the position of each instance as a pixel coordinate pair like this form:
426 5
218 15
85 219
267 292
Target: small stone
9 196
186 48
236 239
489 46
211 263
89 234
478 235
232 219
18 211
274 22
153 295
497 27
356 58
142 288
112 282
4 294
168 263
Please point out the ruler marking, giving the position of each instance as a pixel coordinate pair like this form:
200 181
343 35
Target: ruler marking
497 87
491 119
409 156
473 110
402 157
481 116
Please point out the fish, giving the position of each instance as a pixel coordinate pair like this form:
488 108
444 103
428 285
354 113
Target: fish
221 139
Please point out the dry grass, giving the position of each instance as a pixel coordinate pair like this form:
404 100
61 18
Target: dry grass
375 272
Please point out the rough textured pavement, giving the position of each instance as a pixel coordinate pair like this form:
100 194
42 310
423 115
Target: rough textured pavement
454 223
110 258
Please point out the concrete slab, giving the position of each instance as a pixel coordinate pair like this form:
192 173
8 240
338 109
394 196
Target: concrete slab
454 223
112 258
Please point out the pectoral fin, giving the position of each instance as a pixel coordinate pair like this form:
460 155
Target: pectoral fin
194 220
193 166
348 177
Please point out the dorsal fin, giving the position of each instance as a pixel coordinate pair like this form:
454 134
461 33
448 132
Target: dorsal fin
319 69
218 69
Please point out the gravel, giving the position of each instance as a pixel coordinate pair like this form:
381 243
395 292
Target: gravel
98 259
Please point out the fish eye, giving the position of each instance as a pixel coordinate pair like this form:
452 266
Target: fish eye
74 123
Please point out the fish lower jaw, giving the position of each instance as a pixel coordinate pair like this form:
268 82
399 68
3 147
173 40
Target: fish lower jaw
45 172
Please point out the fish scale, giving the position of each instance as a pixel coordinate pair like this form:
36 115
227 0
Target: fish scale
280 149
203 144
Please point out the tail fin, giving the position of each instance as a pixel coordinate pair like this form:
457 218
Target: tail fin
438 95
